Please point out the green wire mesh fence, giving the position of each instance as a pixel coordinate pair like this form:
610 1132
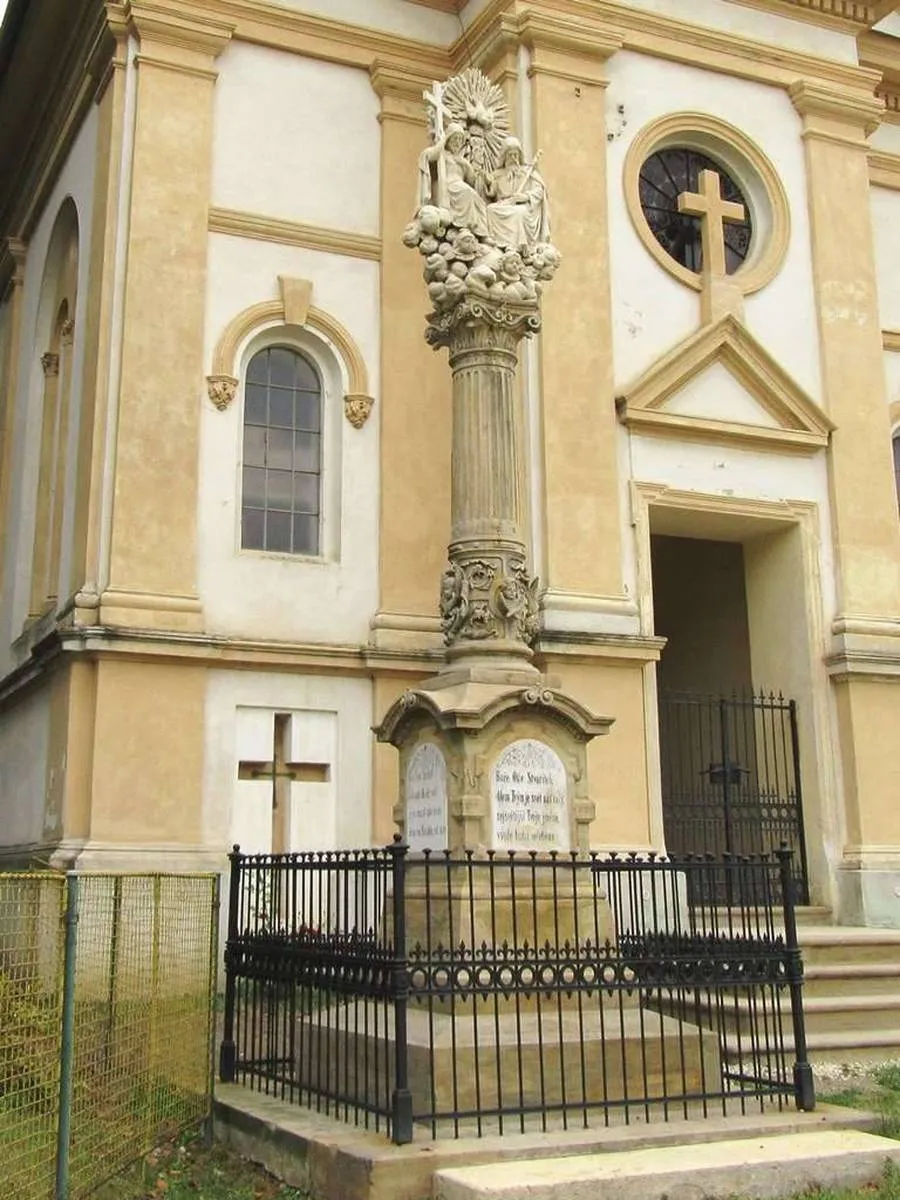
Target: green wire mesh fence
107 989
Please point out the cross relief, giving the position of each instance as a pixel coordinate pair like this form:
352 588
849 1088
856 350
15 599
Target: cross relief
282 773
719 295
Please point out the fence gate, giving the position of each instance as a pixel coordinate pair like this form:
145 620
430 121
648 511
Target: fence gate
730 771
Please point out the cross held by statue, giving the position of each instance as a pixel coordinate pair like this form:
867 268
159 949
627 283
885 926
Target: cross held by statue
283 773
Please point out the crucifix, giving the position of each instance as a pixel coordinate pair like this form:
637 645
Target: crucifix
719 294
282 772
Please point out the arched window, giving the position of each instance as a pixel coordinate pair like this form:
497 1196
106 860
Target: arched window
282 460
54 345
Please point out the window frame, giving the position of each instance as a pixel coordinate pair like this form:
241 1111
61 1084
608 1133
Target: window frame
326 364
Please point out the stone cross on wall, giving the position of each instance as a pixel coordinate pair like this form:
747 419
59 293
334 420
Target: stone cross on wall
283 773
719 295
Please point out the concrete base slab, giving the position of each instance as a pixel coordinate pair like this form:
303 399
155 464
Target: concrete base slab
759 1168
337 1161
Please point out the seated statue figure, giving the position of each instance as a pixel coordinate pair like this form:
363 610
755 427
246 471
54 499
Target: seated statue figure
462 198
519 214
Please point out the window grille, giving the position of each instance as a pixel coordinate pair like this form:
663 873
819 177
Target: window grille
282 458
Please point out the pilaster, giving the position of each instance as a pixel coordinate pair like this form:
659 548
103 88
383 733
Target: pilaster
153 551
99 307
581 520
415 406
14 252
865 658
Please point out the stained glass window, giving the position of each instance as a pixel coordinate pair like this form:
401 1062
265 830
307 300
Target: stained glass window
664 177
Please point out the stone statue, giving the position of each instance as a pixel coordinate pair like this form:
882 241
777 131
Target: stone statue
519 214
452 184
483 223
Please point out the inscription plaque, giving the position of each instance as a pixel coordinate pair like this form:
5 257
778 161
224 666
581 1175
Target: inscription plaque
530 798
426 798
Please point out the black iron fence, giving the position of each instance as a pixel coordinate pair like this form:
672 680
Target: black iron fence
464 995
730 770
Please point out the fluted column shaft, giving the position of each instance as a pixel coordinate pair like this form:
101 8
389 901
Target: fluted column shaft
488 600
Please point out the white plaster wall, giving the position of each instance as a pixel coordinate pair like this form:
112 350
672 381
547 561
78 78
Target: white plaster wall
885 224
24 742
274 596
740 473
892 376
886 137
339 712
765 27
652 311
390 16
76 180
717 395
296 139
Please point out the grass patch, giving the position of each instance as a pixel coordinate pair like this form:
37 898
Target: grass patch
186 1169
887 1188
878 1092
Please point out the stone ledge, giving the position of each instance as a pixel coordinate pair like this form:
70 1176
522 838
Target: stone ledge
338 1161
762 1168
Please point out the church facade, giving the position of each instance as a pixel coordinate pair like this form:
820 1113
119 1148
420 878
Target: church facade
225 477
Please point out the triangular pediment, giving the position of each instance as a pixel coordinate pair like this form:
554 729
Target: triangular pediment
721 384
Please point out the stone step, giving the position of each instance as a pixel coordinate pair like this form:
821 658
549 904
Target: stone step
831 1014
807 915
837 979
859 1045
759 1168
863 1013
848 945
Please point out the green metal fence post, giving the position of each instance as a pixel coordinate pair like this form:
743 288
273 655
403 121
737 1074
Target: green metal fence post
211 997
67 1049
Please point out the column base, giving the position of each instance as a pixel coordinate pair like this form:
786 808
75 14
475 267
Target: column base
868 888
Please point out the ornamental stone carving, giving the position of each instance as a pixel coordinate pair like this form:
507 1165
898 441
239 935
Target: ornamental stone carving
483 220
50 363
489 597
222 390
357 408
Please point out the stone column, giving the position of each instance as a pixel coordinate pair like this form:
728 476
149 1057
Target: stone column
483 230
488 599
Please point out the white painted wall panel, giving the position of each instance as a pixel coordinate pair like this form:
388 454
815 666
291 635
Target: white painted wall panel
652 311
296 138
737 472
334 718
24 742
280 597
718 396
885 226
762 26
892 377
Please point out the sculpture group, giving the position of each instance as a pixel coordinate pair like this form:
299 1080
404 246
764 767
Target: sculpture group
483 222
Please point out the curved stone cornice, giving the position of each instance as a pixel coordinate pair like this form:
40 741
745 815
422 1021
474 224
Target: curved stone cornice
222 380
470 707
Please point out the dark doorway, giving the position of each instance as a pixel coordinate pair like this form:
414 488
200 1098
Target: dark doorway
729 757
